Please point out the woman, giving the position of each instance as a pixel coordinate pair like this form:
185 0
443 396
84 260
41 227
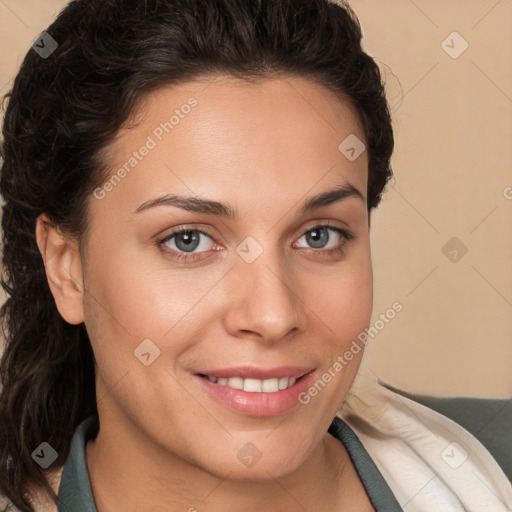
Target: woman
178 339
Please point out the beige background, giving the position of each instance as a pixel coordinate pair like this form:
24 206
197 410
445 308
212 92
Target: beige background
452 164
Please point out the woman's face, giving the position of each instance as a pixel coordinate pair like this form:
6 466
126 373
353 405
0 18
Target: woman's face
271 281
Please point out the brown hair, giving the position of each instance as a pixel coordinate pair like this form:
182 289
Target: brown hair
65 108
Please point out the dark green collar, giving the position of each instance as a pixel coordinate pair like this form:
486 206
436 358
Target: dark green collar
75 494
381 496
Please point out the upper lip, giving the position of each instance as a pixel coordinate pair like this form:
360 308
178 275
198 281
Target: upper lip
252 372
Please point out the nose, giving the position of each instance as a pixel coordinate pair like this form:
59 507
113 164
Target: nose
264 302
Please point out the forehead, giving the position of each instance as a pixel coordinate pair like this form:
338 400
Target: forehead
219 133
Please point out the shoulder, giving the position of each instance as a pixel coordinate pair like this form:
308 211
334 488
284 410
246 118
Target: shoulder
412 436
6 504
488 419
39 500
39 505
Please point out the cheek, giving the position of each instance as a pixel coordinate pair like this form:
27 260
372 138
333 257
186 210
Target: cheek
136 293
137 297
343 296
342 299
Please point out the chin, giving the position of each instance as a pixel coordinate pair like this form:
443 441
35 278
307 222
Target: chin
250 464
264 471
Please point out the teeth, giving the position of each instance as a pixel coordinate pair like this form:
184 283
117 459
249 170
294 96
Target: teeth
283 383
270 385
256 385
235 383
252 385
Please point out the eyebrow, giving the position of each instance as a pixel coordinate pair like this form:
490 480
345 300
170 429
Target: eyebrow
196 204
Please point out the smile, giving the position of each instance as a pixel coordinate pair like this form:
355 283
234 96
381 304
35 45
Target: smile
256 391
254 385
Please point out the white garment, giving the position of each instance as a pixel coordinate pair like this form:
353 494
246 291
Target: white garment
431 463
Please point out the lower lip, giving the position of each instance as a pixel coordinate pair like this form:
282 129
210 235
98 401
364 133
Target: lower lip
258 404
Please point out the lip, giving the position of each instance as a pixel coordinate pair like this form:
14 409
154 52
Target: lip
257 404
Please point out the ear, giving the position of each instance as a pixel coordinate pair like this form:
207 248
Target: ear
63 268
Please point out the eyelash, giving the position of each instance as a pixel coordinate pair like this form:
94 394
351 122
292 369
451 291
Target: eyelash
346 236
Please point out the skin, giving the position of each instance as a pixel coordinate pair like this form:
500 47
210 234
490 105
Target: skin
164 443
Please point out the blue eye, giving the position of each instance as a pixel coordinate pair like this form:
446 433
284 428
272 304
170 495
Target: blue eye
186 241
319 237
189 245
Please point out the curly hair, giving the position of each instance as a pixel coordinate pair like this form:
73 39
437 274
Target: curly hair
65 109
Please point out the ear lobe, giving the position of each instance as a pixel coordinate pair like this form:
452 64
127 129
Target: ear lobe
63 268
